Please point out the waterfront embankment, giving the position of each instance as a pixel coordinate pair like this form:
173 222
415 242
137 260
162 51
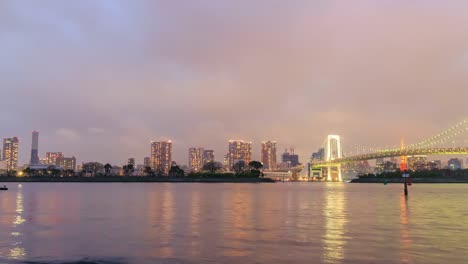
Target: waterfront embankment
413 180
137 179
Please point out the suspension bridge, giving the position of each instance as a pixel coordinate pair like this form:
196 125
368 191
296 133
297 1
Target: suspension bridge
453 141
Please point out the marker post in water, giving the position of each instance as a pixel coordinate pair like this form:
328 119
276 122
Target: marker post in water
406 177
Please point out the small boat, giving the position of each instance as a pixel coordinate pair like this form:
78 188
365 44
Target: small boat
4 188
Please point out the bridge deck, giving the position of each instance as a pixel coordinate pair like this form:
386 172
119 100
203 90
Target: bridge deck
393 153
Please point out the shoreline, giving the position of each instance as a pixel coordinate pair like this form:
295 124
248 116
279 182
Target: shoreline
414 180
135 180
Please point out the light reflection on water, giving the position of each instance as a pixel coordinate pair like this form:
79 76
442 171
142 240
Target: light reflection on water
404 232
17 251
335 221
234 223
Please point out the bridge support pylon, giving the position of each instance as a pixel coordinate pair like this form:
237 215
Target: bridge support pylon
333 151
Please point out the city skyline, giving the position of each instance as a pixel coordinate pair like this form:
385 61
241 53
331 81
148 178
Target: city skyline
201 74
266 148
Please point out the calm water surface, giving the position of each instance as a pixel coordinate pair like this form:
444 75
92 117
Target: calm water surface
233 223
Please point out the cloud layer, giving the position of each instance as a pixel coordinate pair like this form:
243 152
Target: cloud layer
100 79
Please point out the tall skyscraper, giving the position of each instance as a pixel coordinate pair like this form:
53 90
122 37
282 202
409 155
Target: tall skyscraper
161 156
131 161
239 150
52 158
35 148
208 156
269 155
196 159
10 153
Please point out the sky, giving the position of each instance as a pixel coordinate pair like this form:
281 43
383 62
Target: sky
100 79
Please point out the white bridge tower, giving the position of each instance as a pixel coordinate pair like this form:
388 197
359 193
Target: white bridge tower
333 151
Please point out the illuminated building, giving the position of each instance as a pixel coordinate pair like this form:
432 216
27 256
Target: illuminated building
35 148
208 156
161 156
3 165
289 158
417 163
379 165
455 164
147 162
53 157
10 153
67 163
390 166
269 155
239 150
363 167
196 159
434 165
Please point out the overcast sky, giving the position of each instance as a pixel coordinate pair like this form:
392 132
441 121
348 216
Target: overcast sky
101 79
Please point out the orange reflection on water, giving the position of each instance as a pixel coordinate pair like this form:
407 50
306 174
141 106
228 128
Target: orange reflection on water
167 218
405 241
195 223
239 213
335 221
18 252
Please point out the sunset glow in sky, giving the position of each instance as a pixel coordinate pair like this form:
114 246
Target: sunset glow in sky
101 79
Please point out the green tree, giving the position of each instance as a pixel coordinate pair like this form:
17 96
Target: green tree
149 172
93 167
239 167
128 169
69 173
176 171
255 165
255 168
212 166
108 169
27 172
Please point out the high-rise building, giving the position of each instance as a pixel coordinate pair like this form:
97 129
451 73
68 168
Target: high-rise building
196 159
35 148
161 156
269 155
67 163
239 150
131 161
289 158
208 156
53 157
147 162
10 153
417 163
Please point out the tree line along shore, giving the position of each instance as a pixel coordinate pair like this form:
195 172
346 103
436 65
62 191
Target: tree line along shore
426 176
96 172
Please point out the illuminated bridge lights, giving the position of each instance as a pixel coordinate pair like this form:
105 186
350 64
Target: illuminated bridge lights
392 153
